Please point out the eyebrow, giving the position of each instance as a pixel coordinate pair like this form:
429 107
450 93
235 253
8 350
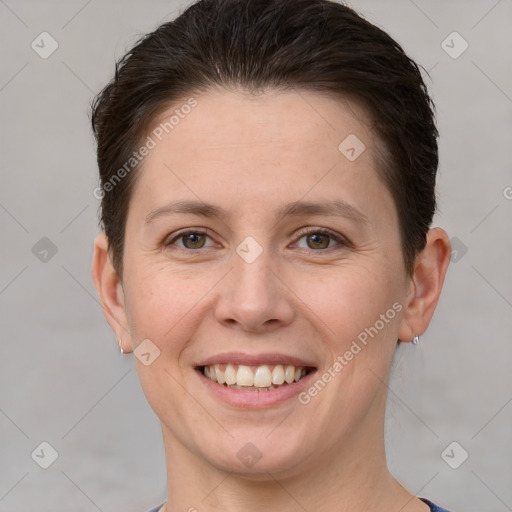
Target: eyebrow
295 209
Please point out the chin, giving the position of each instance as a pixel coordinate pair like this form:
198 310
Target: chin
254 455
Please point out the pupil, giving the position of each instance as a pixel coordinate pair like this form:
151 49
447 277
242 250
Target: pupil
317 239
193 239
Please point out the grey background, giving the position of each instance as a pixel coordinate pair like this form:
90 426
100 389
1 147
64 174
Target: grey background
62 379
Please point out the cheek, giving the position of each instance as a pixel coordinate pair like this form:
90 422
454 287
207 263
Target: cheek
163 304
349 302
162 307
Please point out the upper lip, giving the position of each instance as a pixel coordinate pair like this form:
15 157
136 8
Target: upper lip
240 358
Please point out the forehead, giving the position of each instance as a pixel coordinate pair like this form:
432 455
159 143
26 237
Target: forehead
267 148
223 118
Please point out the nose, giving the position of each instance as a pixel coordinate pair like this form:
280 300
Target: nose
254 297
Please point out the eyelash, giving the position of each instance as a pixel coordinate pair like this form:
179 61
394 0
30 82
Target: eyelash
342 241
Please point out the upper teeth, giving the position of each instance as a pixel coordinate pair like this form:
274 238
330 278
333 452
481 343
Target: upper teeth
259 376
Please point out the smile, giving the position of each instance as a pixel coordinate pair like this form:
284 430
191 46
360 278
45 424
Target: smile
254 378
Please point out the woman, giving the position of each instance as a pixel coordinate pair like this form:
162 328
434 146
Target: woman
268 185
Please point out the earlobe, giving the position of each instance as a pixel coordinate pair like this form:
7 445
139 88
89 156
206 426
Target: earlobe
110 290
426 284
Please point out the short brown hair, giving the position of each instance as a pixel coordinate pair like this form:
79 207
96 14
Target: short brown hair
315 45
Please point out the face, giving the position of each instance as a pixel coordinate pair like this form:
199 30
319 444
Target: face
253 240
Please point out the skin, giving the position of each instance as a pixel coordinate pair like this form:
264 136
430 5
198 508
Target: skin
250 155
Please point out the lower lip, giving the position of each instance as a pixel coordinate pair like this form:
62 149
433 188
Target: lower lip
256 399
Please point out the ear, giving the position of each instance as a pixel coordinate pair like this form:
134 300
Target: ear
426 284
110 291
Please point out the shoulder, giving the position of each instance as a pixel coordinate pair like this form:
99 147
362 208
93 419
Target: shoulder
433 506
156 509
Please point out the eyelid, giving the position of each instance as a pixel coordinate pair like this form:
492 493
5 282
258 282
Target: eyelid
173 237
340 239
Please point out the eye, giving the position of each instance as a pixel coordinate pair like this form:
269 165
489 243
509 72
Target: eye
190 240
316 239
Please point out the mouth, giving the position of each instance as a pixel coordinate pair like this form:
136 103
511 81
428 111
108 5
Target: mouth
255 378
